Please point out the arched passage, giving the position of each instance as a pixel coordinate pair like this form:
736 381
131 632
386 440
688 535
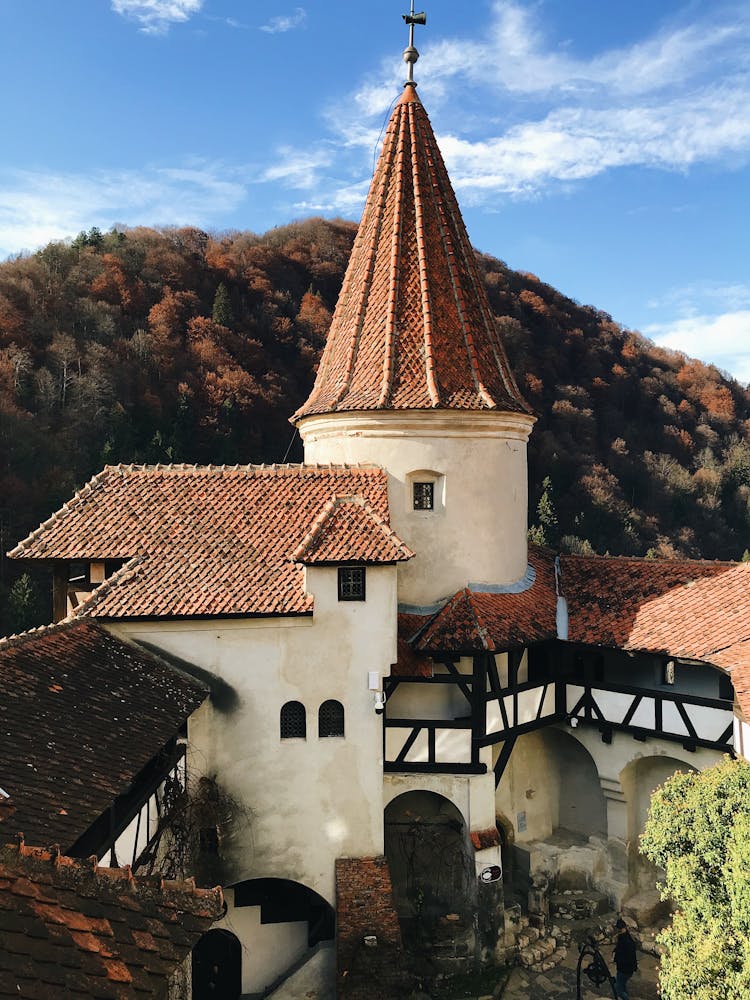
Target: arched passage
552 784
217 967
640 779
581 806
430 859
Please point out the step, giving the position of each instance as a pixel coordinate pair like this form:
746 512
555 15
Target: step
537 952
528 936
553 960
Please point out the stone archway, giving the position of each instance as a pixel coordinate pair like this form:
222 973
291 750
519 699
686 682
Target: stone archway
640 779
217 967
552 784
581 805
430 859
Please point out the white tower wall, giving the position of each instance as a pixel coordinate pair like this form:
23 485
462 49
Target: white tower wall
476 532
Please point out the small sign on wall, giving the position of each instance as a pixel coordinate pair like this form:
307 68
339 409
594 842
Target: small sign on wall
492 873
521 822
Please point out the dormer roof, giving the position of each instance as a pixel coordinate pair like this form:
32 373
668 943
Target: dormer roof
413 329
349 529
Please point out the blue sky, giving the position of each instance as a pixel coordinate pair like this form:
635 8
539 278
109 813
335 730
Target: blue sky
605 147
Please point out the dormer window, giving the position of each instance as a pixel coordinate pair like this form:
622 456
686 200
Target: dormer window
424 492
351 583
424 496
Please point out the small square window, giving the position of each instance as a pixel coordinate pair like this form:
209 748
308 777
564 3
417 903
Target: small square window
351 583
424 496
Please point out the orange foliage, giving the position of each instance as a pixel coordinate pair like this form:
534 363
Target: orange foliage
533 301
717 399
535 384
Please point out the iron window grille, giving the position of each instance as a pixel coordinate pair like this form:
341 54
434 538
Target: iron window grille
424 496
351 583
293 723
331 719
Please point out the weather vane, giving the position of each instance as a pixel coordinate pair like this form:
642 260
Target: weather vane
410 53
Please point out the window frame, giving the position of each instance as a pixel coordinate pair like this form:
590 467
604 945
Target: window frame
302 718
429 487
332 735
342 584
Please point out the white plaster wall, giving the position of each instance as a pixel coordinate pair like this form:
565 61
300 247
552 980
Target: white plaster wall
267 949
529 785
313 800
741 738
477 533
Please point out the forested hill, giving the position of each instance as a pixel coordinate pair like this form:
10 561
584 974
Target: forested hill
174 346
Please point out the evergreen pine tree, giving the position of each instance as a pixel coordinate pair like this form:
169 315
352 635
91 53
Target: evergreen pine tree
23 605
222 311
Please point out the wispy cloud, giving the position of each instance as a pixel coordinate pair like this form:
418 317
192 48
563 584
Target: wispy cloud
36 206
156 16
723 339
532 116
287 22
298 168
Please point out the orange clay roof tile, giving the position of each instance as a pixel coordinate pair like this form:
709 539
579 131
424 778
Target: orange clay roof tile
688 609
210 540
475 621
413 328
69 928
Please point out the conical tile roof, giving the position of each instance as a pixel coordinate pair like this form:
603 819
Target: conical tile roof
413 329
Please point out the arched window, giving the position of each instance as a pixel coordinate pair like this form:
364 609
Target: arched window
293 724
331 719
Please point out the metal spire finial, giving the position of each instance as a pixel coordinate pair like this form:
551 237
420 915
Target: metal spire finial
410 53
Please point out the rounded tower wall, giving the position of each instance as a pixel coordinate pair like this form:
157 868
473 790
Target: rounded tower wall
457 485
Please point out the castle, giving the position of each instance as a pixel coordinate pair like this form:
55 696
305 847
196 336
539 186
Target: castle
413 711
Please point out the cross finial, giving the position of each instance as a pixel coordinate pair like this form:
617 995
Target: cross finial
410 53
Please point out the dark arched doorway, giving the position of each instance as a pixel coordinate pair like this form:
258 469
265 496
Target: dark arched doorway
430 859
217 967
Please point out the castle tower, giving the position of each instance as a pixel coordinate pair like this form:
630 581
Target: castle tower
414 376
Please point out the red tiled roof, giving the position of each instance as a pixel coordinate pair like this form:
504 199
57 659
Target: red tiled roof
413 329
68 928
207 541
349 530
473 620
81 714
409 662
688 609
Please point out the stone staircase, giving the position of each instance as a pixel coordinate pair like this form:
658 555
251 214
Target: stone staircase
540 950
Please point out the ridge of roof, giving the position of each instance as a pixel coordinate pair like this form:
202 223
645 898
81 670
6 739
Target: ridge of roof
645 560
413 329
19 638
80 873
395 551
124 574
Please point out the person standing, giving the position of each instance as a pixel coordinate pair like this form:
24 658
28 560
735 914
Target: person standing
625 960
